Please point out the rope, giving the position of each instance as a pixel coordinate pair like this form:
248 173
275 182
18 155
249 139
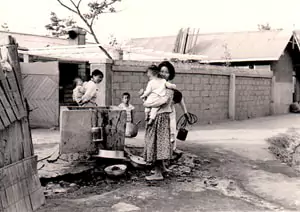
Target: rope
186 119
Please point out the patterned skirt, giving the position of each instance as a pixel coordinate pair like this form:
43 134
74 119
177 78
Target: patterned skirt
157 139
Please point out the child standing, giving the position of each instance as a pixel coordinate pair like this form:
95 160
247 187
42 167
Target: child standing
78 91
125 105
155 90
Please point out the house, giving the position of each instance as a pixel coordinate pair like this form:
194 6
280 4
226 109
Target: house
274 50
49 66
48 81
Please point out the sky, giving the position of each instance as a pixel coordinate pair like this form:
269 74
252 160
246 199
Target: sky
147 18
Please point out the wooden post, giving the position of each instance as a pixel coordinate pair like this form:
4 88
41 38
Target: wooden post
106 84
231 106
26 58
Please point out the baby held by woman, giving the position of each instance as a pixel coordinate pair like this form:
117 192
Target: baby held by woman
155 91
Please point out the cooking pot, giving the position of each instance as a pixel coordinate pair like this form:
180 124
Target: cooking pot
115 170
131 129
137 162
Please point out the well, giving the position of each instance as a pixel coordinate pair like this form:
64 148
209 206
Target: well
76 129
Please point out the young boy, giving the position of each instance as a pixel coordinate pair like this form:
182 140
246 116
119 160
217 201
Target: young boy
156 89
78 91
127 106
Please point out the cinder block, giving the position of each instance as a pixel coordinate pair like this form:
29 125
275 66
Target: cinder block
137 86
187 80
198 100
118 78
204 93
195 93
180 86
186 94
116 85
196 79
198 87
134 79
125 86
207 87
189 87
188 100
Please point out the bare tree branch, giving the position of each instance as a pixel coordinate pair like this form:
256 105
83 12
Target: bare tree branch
65 6
74 4
92 21
86 30
79 3
85 20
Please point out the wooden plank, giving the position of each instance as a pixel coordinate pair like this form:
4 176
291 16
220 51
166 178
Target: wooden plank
3 198
4 118
28 146
114 123
2 127
7 93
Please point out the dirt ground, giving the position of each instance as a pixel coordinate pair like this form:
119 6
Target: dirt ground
227 167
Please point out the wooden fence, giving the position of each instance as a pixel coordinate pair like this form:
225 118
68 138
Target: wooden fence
20 188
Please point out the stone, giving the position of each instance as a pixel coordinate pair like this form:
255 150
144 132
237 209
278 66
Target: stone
296 159
60 190
73 185
124 207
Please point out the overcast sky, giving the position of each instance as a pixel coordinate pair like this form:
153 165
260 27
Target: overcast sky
143 18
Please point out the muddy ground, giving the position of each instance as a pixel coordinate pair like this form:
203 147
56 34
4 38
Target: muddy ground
201 180
232 170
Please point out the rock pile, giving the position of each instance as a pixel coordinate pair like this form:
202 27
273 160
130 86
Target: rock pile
286 148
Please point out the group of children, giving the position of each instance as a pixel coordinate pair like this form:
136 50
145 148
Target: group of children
155 91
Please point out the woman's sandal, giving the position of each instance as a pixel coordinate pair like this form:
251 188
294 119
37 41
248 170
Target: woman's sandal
154 178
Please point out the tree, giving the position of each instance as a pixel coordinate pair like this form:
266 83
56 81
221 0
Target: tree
5 27
58 27
264 27
95 9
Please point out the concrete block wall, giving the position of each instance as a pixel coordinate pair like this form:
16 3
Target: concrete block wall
213 93
205 95
253 97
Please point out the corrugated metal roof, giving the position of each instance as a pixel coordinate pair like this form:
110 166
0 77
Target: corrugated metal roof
241 46
93 53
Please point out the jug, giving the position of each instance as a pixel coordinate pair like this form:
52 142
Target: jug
131 129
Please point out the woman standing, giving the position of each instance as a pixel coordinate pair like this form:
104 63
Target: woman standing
157 139
92 96
167 71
